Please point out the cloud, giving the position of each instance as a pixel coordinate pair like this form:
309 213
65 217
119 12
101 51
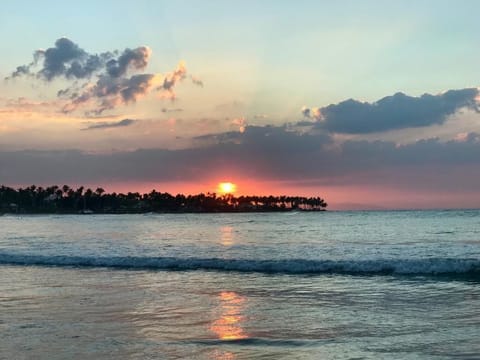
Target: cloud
258 151
108 93
264 153
22 104
467 137
113 124
136 59
67 59
168 110
305 123
269 142
100 82
196 81
423 173
312 113
20 71
241 123
64 59
392 112
172 79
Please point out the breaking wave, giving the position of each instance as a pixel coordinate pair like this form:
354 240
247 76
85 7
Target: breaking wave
428 266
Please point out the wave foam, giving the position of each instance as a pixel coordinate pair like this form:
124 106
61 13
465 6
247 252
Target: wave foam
430 266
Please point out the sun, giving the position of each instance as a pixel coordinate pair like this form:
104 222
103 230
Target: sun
226 188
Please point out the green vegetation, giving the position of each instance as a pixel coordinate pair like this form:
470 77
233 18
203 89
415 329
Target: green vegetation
66 200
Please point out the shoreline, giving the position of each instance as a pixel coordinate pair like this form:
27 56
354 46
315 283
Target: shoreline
165 212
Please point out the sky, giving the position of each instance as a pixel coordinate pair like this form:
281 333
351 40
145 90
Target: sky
369 104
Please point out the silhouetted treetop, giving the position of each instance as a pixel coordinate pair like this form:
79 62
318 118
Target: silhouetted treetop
67 200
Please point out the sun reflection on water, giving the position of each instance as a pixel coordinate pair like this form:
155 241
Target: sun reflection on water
226 235
218 354
228 326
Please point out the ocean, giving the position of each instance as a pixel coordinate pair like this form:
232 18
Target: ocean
296 285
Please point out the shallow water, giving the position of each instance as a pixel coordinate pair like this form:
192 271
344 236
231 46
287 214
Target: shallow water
232 286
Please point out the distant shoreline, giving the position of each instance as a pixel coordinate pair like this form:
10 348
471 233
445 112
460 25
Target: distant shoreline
70 201
166 212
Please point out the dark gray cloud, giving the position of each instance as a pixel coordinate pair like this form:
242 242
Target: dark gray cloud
306 112
392 112
85 67
135 59
110 92
258 152
20 71
110 124
269 138
67 59
118 80
265 153
305 123
64 59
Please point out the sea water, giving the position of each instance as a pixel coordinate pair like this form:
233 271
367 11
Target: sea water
330 285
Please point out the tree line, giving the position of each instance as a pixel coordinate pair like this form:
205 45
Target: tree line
68 200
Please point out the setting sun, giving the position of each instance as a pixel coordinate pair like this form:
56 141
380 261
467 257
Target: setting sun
226 188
